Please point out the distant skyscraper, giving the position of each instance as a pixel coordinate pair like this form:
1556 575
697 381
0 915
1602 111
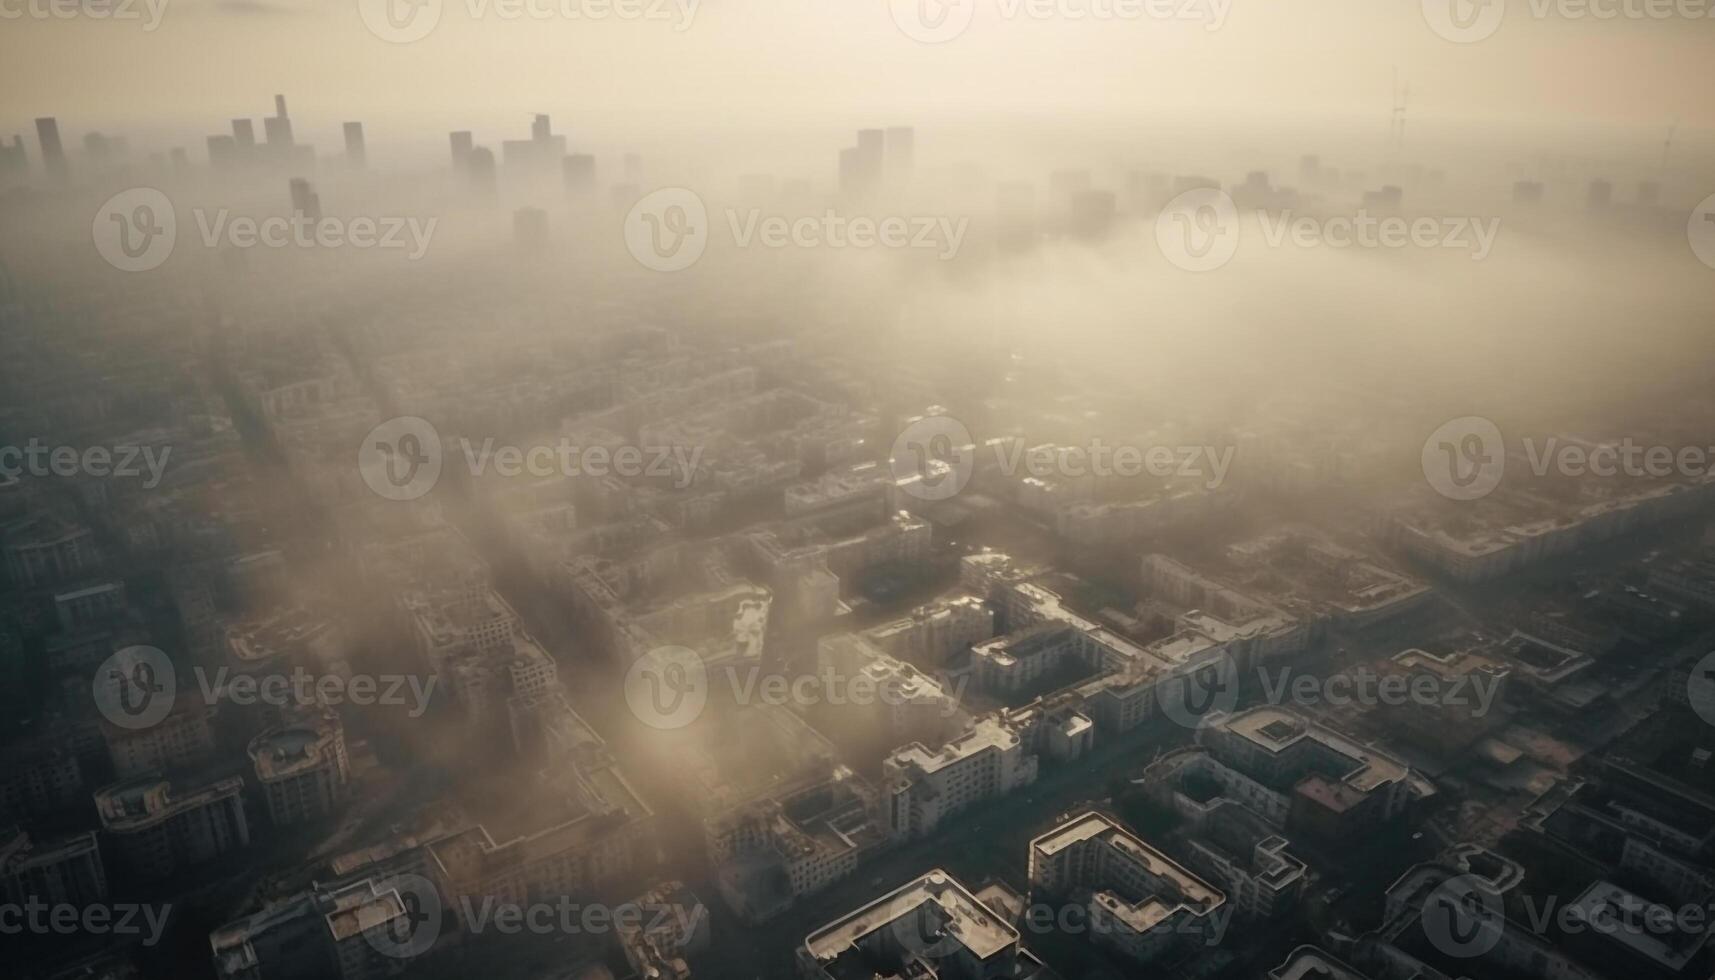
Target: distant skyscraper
540 152
1527 192
579 171
13 159
1601 195
861 166
53 153
900 153
481 170
305 200
461 144
355 154
1390 196
102 149
278 128
244 134
222 152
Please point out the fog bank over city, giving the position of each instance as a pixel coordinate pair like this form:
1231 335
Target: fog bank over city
736 489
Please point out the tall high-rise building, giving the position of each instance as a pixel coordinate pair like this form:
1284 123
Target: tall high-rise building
461 144
579 172
538 153
13 159
861 166
278 128
244 134
53 153
305 200
222 152
355 154
481 170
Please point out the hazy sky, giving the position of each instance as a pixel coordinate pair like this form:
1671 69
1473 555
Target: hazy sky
752 64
